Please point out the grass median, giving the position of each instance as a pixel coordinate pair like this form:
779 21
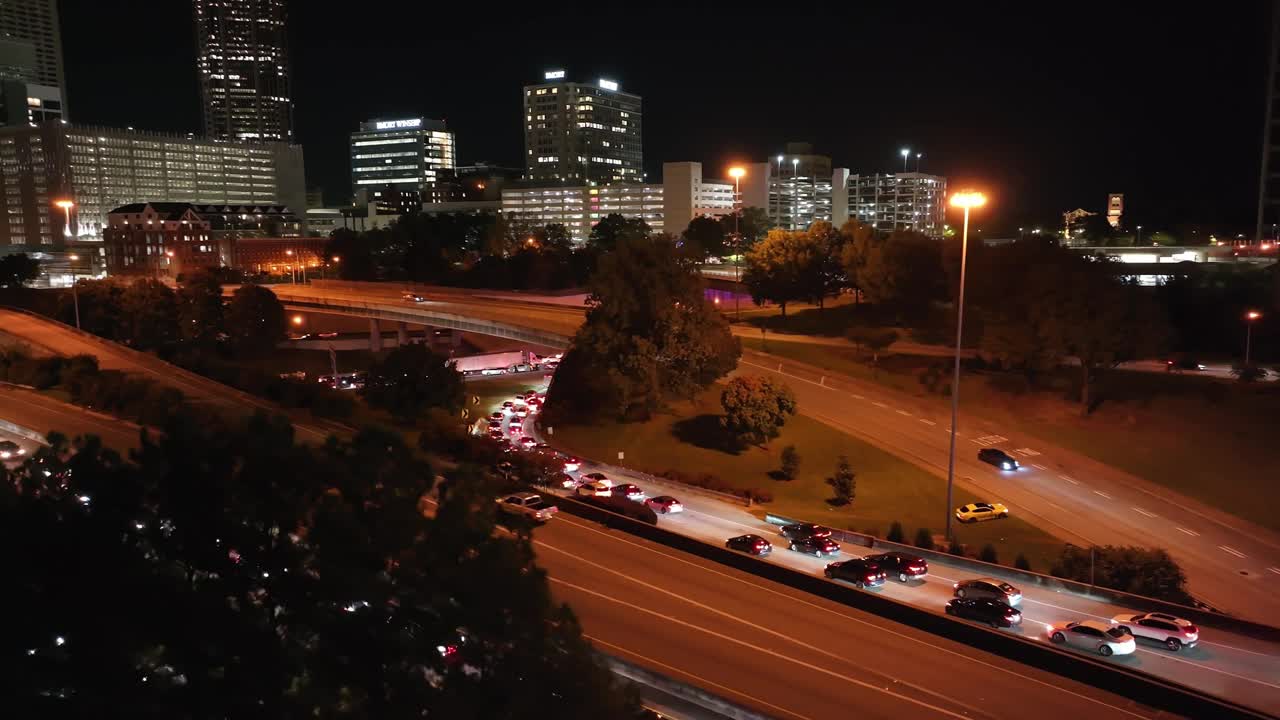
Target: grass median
888 488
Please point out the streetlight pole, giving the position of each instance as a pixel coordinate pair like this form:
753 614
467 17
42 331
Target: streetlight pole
1139 240
918 156
965 200
736 173
75 294
1249 317
906 153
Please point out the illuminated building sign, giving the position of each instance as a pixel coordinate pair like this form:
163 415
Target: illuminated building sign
608 84
553 75
398 124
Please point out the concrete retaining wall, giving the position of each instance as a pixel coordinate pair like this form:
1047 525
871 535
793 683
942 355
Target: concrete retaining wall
716 705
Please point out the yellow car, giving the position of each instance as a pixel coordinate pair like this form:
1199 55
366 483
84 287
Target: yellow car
977 512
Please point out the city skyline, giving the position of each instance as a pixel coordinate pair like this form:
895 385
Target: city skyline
1100 118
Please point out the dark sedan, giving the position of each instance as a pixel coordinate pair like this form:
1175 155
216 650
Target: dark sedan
905 567
816 546
999 458
992 612
862 573
804 530
749 544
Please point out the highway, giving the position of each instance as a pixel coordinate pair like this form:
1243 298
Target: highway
39 414
1230 564
1241 668
54 338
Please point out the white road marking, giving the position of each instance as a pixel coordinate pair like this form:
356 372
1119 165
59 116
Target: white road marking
1070 479
1231 551
991 440
1192 533
904 412
928 422
1039 467
1099 492
1027 452
1275 570
879 404
1140 511
856 396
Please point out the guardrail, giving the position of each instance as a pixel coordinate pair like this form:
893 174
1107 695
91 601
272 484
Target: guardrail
1176 699
1203 617
671 687
434 318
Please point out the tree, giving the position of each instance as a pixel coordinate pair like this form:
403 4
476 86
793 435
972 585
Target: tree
904 271
255 320
150 314
896 534
1021 562
554 237
924 539
988 554
1138 570
412 379
751 223
843 483
101 308
17 269
200 309
827 277
790 462
649 335
782 268
704 236
615 229
877 340
755 408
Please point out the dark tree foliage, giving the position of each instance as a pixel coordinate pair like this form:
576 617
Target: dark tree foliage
201 315
227 569
17 269
649 335
150 314
411 380
751 223
705 236
615 229
255 320
1131 569
755 408
101 308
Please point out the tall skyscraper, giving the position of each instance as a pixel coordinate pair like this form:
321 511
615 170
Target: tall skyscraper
581 133
404 155
243 62
31 54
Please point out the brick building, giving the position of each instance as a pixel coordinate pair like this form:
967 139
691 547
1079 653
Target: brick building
161 239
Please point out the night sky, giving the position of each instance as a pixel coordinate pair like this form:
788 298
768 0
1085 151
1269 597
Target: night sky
1161 102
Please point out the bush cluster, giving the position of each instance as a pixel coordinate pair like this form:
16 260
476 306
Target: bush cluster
320 400
709 481
111 391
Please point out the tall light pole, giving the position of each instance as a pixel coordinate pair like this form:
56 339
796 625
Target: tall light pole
966 200
293 271
75 294
918 156
66 206
1249 317
736 173
1139 240
906 153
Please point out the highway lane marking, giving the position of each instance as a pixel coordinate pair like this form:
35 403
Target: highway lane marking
1099 492
686 673
844 615
1274 570
1231 551
1140 511
928 422
1070 479
1039 467
879 404
856 396
1027 452
1192 533
760 649
904 412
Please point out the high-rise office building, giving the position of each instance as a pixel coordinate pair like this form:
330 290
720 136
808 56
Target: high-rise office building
407 155
581 133
894 201
243 62
33 88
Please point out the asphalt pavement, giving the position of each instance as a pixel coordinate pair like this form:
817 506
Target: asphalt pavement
40 413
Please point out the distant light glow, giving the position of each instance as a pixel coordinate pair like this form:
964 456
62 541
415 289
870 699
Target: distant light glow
608 84
397 124
553 75
736 172
968 199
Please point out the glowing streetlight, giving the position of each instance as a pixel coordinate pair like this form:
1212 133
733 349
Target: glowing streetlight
905 153
1249 317
66 206
966 200
337 259
297 319
736 173
918 156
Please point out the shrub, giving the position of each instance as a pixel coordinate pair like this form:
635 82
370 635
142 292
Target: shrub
924 539
759 495
1137 570
955 548
988 554
1022 563
790 462
895 533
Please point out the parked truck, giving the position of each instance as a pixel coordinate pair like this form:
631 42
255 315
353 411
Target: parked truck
497 363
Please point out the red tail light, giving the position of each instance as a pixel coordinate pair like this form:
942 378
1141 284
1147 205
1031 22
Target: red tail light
871 578
1190 630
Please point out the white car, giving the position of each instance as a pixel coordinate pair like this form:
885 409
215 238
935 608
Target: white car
571 464
522 411
10 450
1104 639
1173 632
596 489
598 477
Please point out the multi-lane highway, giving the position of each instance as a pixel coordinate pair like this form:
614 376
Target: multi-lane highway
1230 564
1225 664
39 414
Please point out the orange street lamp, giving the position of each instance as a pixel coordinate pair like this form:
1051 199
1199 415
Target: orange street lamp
1249 317
66 206
967 200
736 173
297 319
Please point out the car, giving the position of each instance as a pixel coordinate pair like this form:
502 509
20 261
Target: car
533 401
1104 639
977 512
628 491
496 434
495 425
565 481
528 504
999 458
595 489
10 450
664 504
496 416
990 589
522 411
905 567
520 397
516 422
860 572
599 477
815 546
508 405
527 442
993 612
1171 631
803 530
572 464
505 469
749 544
413 297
